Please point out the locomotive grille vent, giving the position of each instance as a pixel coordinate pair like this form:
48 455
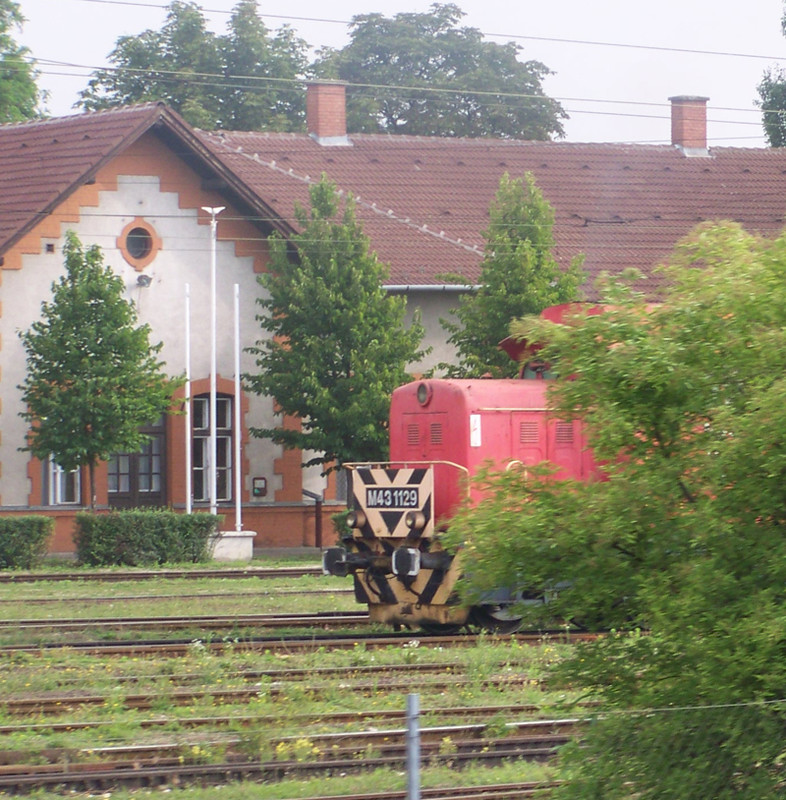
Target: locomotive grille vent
564 433
413 435
436 433
528 433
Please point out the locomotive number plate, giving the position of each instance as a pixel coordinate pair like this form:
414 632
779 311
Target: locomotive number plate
398 497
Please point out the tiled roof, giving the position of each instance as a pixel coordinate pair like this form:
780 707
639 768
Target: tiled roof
423 201
42 162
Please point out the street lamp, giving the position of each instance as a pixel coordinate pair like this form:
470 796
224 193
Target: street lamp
212 483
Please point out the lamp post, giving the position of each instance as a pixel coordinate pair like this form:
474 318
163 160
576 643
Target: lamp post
212 483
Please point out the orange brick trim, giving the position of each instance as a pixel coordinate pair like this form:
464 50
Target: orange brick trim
154 243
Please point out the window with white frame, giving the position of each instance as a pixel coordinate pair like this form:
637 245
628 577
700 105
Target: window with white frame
201 448
61 487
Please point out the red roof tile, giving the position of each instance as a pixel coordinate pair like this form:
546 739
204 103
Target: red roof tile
423 201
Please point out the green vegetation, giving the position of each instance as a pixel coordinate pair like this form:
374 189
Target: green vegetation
422 74
143 537
24 540
683 405
518 276
279 716
93 378
335 346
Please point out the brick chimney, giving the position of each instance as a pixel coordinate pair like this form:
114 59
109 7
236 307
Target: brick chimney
689 124
326 113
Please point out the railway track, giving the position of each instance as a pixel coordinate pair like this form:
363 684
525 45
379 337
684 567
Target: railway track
322 619
117 576
288 644
472 714
134 767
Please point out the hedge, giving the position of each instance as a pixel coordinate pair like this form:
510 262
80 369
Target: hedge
24 540
143 537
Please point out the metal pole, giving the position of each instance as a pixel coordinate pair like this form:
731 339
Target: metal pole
413 747
212 445
238 426
189 490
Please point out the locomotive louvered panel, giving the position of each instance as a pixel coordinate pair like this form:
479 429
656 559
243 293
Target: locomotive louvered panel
413 435
529 433
385 495
564 433
436 433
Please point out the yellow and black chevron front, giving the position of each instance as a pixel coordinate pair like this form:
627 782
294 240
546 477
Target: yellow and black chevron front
387 494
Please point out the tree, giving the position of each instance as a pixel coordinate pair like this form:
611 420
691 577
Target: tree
518 276
335 346
772 101
92 376
242 80
420 74
683 403
772 94
19 97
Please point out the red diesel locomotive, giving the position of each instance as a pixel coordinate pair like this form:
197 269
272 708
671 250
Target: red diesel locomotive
441 433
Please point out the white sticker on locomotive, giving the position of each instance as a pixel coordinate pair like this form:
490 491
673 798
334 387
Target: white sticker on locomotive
474 430
401 497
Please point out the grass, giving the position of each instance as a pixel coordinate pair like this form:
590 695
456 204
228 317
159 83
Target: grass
281 706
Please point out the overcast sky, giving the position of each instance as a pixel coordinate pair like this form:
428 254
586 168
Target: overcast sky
613 91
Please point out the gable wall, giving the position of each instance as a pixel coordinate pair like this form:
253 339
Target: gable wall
147 184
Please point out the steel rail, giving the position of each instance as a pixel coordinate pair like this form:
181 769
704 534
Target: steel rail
137 773
117 576
206 621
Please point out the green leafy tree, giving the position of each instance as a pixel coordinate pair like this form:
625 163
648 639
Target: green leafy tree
772 101
92 375
19 96
518 276
335 345
683 404
421 74
242 80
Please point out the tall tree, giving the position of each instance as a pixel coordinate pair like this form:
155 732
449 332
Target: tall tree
92 376
242 80
335 345
19 96
772 101
518 276
421 74
262 73
683 403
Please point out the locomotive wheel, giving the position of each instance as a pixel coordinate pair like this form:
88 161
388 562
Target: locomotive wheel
495 618
440 628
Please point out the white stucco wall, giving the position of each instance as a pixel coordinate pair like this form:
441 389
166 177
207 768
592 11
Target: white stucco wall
183 259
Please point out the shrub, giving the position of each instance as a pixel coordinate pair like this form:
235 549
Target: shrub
143 537
24 540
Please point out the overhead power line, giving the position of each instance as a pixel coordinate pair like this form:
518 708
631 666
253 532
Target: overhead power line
509 36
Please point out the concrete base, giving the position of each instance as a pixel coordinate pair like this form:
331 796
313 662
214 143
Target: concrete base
233 546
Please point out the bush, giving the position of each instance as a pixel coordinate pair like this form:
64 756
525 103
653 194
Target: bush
141 537
24 540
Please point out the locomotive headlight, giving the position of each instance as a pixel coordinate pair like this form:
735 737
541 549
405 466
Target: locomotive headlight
415 520
356 519
423 393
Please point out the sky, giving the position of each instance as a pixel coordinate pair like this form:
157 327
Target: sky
615 62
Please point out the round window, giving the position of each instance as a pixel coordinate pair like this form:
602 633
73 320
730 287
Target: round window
139 243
